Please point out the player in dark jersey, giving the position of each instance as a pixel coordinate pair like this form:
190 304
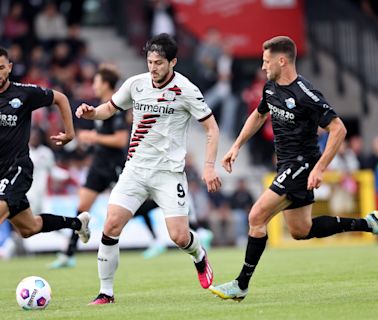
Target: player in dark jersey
17 101
297 109
109 140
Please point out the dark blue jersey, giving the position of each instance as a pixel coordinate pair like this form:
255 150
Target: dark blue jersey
297 110
16 106
107 127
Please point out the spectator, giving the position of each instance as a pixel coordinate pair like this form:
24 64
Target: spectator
221 94
161 17
50 26
206 58
15 27
221 222
20 66
261 145
240 202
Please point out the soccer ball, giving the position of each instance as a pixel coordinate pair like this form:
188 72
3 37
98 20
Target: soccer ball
33 293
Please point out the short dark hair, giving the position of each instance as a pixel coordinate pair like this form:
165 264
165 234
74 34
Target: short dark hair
4 53
164 44
282 44
108 75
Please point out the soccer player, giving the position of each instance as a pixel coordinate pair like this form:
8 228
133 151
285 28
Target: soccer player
297 109
17 101
109 139
163 102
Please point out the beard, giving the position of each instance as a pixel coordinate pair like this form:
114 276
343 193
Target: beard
4 82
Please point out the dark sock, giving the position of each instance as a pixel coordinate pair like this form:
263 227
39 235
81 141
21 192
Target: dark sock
108 241
325 226
255 249
52 222
72 245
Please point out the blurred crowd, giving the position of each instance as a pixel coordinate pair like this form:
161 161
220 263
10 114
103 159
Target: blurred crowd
46 48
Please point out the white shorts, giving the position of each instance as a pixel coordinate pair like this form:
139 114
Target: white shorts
168 189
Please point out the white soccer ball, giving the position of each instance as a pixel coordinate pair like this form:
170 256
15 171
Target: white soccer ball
33 293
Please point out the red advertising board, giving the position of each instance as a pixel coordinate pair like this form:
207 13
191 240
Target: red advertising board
246 23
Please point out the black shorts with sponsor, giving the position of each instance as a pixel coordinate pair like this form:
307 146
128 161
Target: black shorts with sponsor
14 185
102 174
291 179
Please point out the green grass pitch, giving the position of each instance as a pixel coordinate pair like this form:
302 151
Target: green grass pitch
310 283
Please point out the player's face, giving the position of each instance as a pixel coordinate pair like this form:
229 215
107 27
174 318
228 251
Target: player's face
5 70
98 86
160 68
271 65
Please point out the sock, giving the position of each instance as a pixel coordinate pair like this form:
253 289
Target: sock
194 248
107 261
52 222
325 226
72 245
255 249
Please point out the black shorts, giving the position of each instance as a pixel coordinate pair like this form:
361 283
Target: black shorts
291 179
14 185
102 174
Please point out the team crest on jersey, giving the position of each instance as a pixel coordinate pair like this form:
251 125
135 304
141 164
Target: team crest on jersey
290 103
15 103
167 96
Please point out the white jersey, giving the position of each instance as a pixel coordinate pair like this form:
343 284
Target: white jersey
161 119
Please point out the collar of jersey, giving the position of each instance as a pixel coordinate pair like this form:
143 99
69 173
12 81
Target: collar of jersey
165 83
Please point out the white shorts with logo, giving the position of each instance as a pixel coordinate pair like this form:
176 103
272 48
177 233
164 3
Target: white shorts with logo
168 189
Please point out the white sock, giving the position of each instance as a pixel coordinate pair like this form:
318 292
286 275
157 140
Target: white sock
195 249
107 261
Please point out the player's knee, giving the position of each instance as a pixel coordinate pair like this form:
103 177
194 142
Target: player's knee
179 238
299 234
27 233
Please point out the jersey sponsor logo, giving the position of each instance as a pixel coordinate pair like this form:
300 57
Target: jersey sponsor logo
280 114
290 103
153 108
308 92
8 120
15 103
269 92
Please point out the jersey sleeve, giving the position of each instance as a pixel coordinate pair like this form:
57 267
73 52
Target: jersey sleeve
39 97
263 106
196 104
121 100
320 110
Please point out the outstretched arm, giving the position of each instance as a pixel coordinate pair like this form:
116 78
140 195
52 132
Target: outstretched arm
65 111
102 112
251 126
337 133
210 177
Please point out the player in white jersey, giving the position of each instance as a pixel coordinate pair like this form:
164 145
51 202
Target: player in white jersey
163 102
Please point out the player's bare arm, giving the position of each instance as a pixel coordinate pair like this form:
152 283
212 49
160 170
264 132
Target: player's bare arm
102 112
65 110
251 126
116 140
337 133
210 176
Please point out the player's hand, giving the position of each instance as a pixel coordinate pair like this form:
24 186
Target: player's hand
86 112
87 136
315 179
62 138
229 159
211 178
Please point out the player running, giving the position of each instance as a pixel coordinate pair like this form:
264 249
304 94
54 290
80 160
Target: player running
163 102
297 109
